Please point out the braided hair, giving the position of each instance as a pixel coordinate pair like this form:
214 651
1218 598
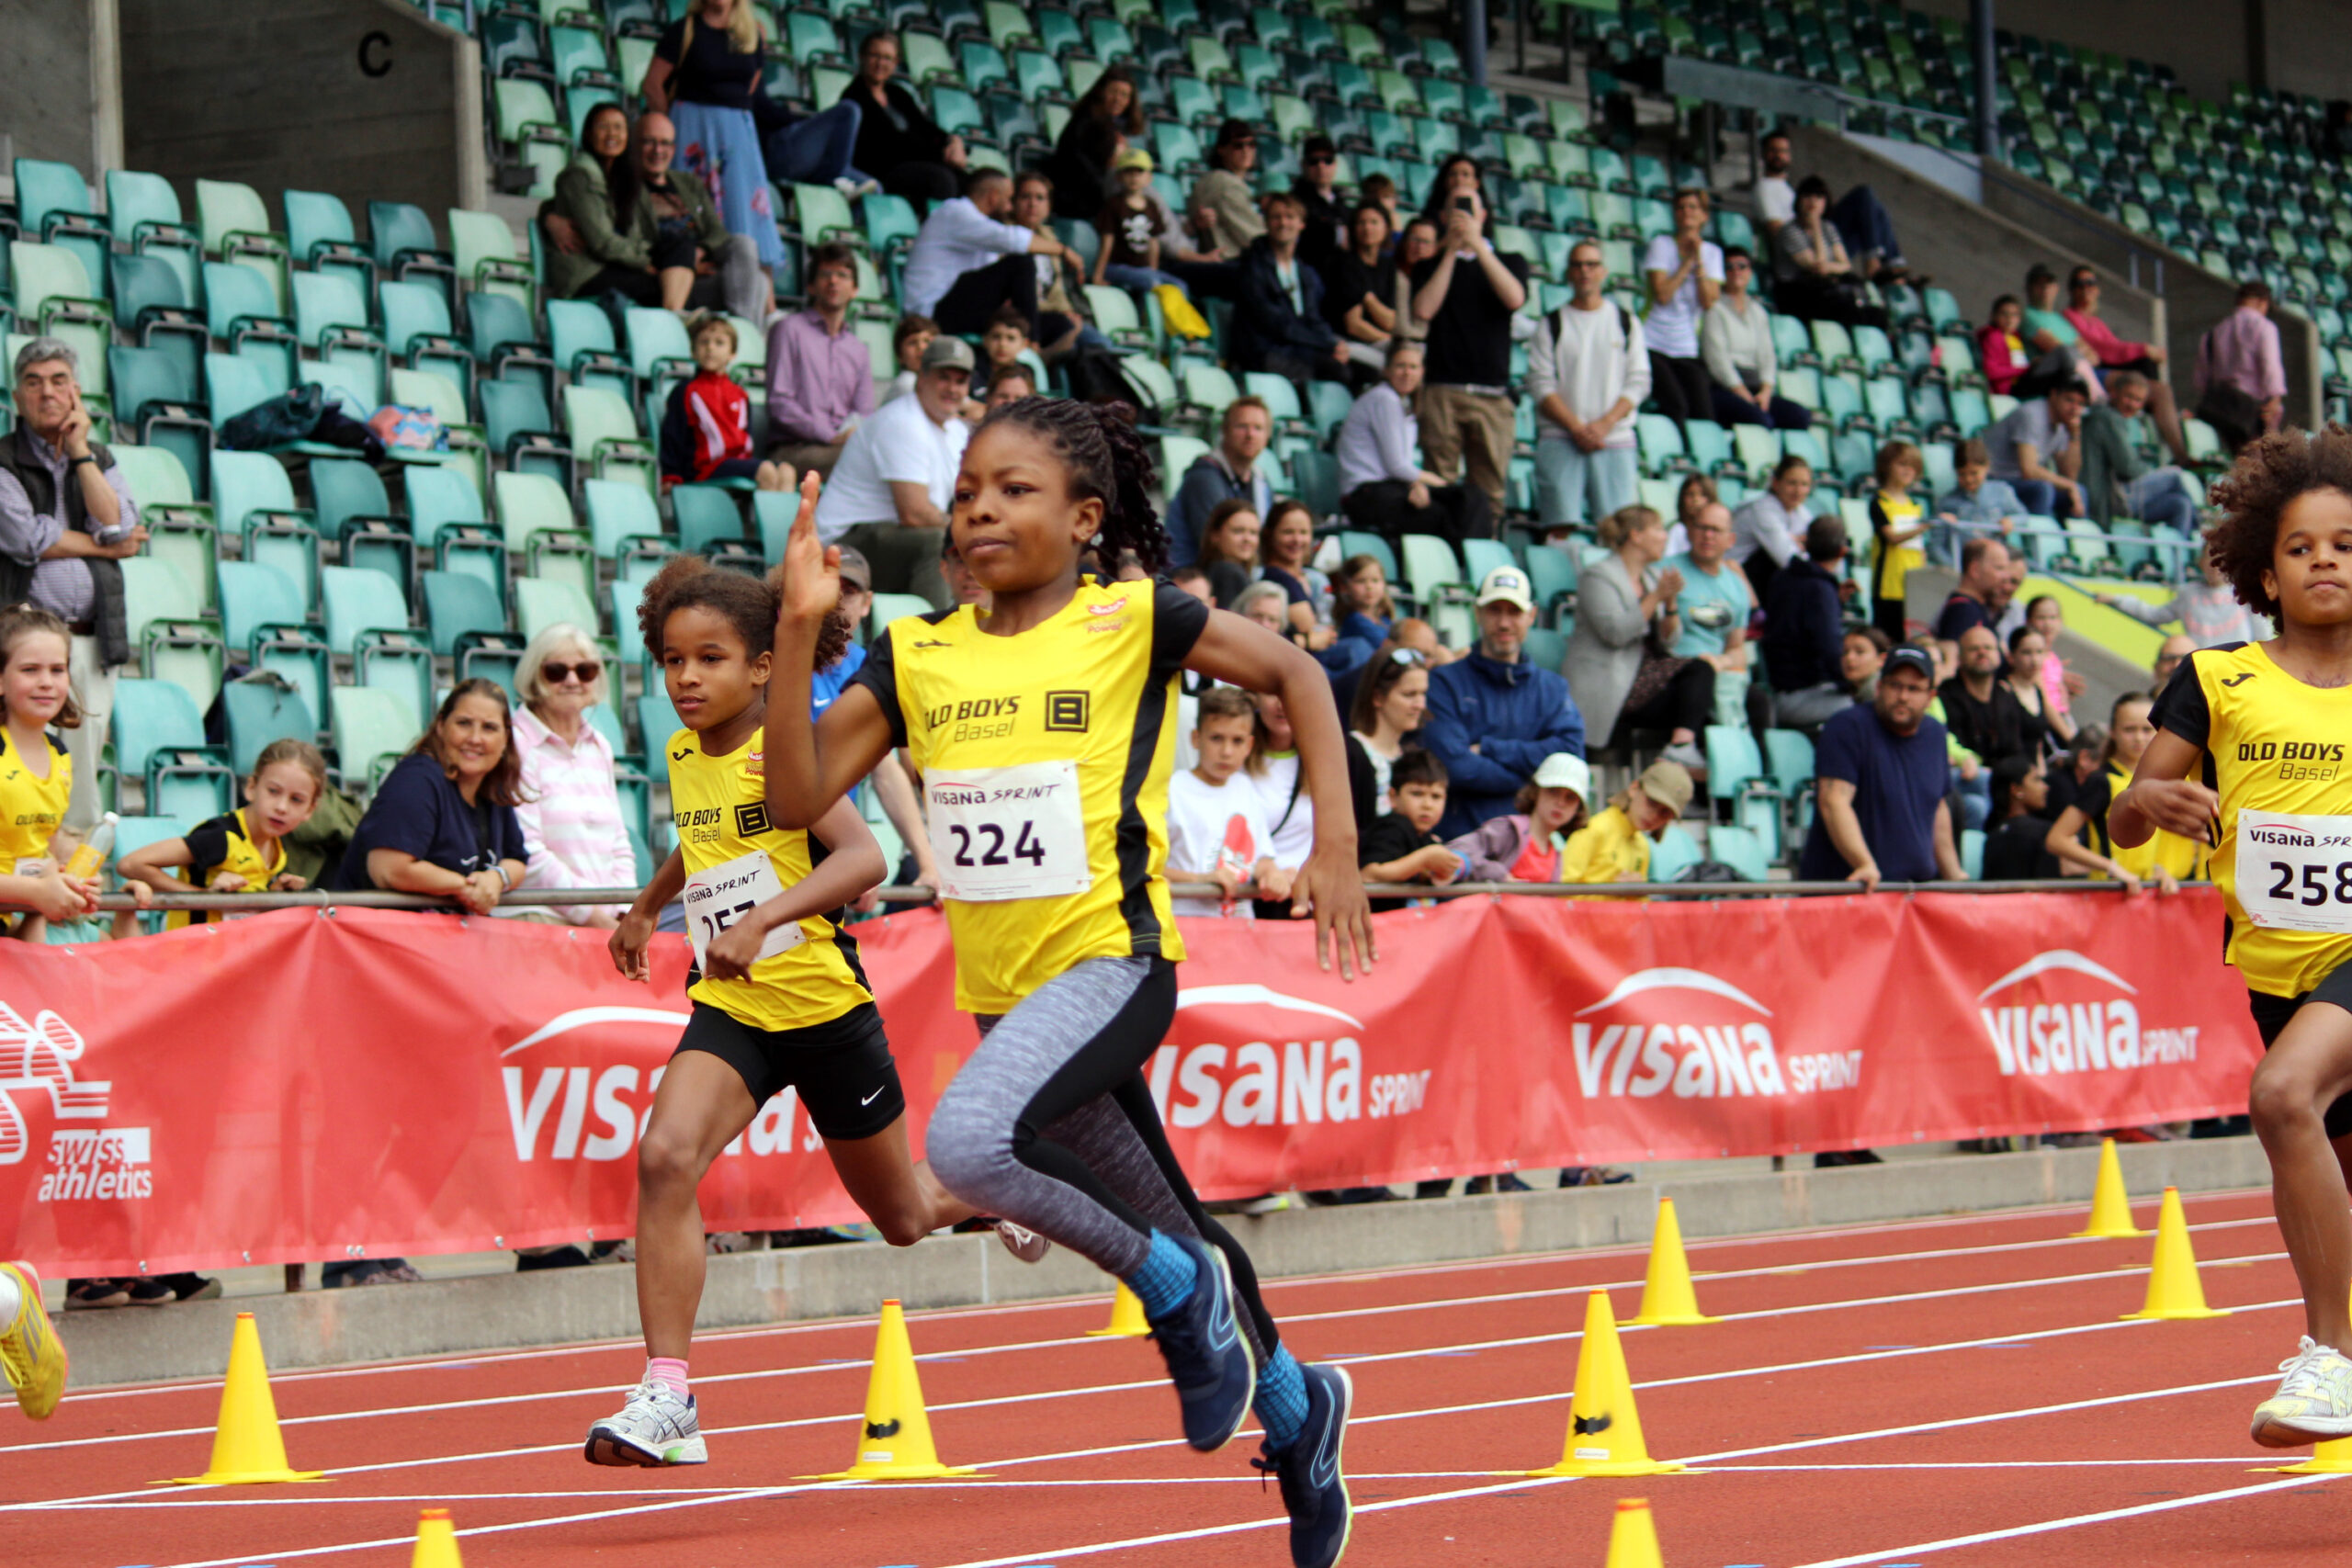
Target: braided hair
1107 461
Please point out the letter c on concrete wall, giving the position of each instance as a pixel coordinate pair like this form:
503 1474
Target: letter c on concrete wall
376 54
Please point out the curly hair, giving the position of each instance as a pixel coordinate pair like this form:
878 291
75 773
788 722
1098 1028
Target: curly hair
748 604
1107 461
2254 498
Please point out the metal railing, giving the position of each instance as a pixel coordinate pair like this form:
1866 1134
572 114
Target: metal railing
255 903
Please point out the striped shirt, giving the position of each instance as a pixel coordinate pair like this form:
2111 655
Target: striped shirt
571 813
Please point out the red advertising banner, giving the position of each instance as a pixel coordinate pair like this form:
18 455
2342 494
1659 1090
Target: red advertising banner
303 1086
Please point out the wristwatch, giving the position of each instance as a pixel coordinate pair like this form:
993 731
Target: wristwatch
77 462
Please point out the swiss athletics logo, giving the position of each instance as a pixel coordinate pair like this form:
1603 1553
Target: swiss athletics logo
1690 1035
1288 1069
2059 1012
37 1066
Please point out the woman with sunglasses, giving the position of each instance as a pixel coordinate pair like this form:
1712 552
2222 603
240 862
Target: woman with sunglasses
570 810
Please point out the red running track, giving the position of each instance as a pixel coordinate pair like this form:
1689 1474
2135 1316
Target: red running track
1956 1390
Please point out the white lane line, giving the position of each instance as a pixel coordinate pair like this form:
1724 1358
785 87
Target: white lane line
2076 1521
601 1392
1430 1270
1889 1353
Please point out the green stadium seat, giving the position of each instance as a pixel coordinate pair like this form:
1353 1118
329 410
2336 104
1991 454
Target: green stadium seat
458 604
540 603
372 729
359 602
619 512
255 710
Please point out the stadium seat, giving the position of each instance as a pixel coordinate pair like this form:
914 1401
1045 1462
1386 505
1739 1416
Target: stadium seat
1740 849
359 602
254 597
619 512
539 604
256 710
458 604
372 729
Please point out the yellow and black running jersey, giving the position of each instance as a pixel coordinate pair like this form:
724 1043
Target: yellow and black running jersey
225 846
31 807
2183 858
1045 760
2272 745
734 862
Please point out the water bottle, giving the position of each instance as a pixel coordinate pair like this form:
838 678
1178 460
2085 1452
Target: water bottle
92 856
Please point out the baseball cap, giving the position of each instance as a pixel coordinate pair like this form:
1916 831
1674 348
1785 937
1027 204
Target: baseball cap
947 354
1918 658
1133 158
1667 783
1561 771
1507 585
855 569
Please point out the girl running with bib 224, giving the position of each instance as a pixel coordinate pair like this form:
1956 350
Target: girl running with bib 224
2250 757
779 1000
1044 732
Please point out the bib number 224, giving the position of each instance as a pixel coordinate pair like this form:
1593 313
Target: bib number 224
1014 832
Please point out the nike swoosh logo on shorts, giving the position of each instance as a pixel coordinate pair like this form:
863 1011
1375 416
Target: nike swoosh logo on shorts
875 1096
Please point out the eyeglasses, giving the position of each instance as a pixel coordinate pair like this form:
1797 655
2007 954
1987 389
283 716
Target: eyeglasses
1585 262
585 671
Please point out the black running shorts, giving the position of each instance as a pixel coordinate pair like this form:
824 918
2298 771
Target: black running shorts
2270 1016
842 1070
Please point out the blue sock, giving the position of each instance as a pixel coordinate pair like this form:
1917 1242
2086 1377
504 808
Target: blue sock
1281 1402
1166 1279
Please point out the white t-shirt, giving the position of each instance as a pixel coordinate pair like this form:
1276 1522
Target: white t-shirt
1382 767
897 445
1292 835
1776 200
1673 327
1209 824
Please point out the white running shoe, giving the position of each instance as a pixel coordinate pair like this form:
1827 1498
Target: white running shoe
1025 1244
654 1428
2313 1403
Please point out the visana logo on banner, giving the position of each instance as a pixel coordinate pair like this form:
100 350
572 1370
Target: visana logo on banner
1668 1045
37 1058
1256 1084
2084 1029
568 1112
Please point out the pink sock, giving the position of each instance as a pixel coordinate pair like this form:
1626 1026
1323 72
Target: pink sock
669 1372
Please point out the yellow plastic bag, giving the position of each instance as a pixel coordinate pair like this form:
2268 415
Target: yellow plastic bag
1177 312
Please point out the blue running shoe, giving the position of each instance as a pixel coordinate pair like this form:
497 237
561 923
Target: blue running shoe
1208 1356
1314 1486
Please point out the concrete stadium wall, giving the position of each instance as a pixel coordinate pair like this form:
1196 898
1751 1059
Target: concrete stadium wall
366 99
64 87
2306 47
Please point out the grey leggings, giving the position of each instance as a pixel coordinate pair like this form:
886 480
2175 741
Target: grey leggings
1052 1126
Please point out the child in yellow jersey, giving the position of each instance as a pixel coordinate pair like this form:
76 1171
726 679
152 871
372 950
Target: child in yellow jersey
36 774
244 851
1897 521
1044 731
2250 759
1615 845
2166 859
779 1000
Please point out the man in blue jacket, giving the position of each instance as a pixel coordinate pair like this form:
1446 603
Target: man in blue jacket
1492 717
1278 322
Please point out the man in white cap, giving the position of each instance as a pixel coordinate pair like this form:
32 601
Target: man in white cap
1492 717
889 495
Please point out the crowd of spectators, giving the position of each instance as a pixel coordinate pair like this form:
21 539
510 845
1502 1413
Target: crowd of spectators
1481 764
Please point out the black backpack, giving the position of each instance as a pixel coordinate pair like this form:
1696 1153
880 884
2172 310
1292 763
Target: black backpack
1096 378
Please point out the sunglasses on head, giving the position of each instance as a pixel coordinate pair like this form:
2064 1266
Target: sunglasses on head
1405 655
586 671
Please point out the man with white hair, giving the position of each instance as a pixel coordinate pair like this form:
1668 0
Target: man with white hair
67 519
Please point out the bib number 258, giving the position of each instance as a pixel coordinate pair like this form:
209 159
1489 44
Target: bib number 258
2316 885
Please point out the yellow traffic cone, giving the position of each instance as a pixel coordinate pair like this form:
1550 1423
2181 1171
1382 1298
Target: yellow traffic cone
1604 1430
1126 1318
2111 1207
1668 1300
246 1446
2172 1287
2331 1458
895 1442
436 1542
1633 1540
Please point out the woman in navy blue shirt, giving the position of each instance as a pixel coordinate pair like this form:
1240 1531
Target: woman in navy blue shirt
443 822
